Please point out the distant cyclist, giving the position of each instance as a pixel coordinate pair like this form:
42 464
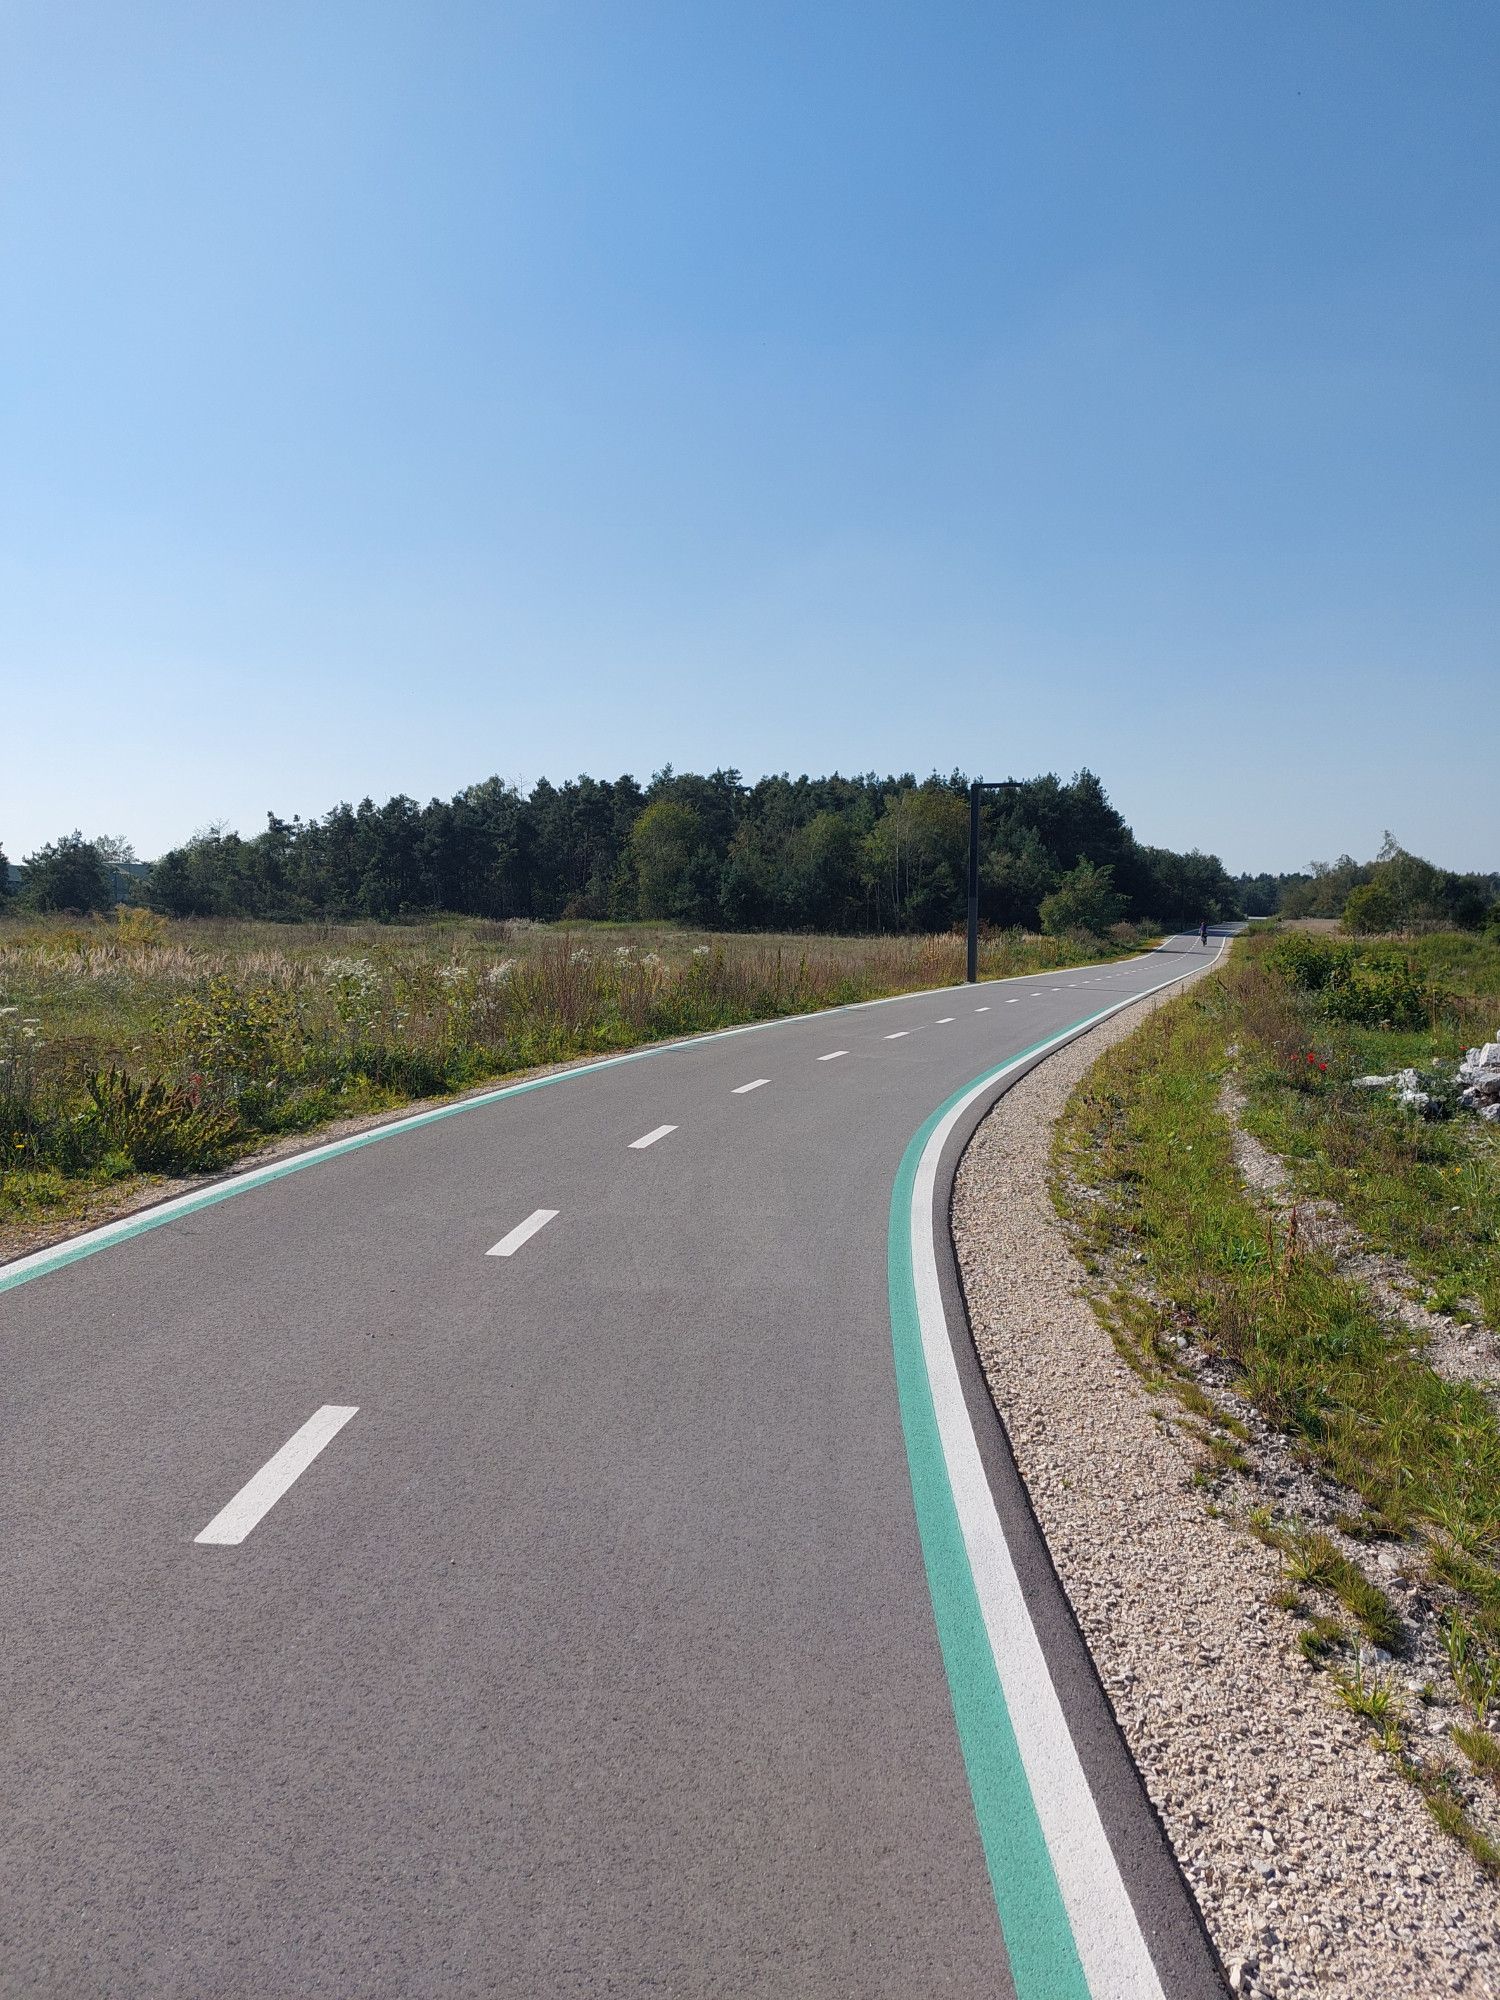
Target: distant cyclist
1203 931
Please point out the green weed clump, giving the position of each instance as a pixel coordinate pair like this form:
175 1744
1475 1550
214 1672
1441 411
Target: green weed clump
1481 1749
1314 1561
159 1129
1371 985
1475 1662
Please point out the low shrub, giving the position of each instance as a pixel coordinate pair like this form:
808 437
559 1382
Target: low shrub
162 1129
1366 987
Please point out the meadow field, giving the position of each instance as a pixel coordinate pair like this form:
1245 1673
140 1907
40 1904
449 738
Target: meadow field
137 1046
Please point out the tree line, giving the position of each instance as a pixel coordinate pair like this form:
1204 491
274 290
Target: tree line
1397 891
832 854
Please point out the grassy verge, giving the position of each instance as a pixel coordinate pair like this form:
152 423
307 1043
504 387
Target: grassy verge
1210 1297
134 1048
1427 1190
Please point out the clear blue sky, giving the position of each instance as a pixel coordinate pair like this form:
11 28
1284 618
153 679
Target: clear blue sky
390 395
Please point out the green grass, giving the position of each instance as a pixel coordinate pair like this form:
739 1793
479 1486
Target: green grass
1315 1562
1428 1191
1187 1260
1145 1137
1481 1749
1373 1697
1436 1787
135 1045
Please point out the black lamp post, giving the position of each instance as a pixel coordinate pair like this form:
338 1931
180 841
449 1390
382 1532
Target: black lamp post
976 787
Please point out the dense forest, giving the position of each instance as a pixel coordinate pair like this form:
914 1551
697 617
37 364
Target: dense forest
839 854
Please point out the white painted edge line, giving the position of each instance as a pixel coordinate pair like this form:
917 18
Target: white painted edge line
650 1138
1111 1949
892 1038
259 1495
18 1269
741 1088
833 1055
522 1233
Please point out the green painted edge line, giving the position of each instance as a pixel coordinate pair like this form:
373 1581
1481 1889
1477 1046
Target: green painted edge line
1044 1962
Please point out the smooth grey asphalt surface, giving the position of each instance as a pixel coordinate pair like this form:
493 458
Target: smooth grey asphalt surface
595 1655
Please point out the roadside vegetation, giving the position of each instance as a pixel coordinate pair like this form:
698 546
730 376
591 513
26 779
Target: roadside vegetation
1319 1417
133 1045
1318 1012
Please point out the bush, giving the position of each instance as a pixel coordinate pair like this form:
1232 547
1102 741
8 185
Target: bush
1368 989
138 928
1369 908
1310 963
1381 996
241 1043
163 1130
1084 900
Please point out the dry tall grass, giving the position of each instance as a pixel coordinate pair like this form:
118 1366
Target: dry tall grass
280 1027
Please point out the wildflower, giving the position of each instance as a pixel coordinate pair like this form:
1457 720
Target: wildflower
500 972
700 950
356 975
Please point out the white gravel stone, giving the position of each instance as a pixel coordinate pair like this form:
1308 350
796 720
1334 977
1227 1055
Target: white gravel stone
1318 1869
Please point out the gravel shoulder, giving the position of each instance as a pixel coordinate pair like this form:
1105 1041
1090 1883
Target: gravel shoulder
1317 1868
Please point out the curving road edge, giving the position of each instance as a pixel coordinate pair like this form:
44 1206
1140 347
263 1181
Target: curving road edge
1091 1901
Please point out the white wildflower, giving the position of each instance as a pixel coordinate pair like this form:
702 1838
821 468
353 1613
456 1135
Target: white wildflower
500 972
357 974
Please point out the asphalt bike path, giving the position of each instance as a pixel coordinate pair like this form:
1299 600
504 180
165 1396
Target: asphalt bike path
536 1553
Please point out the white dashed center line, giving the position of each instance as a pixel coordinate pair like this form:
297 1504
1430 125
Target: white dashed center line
897 1036
833 1055
944 1019
650 1138
981 1010
260 1494
741 1088
522 1233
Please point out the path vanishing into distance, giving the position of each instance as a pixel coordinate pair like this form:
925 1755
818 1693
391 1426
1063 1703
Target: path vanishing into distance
562 1544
